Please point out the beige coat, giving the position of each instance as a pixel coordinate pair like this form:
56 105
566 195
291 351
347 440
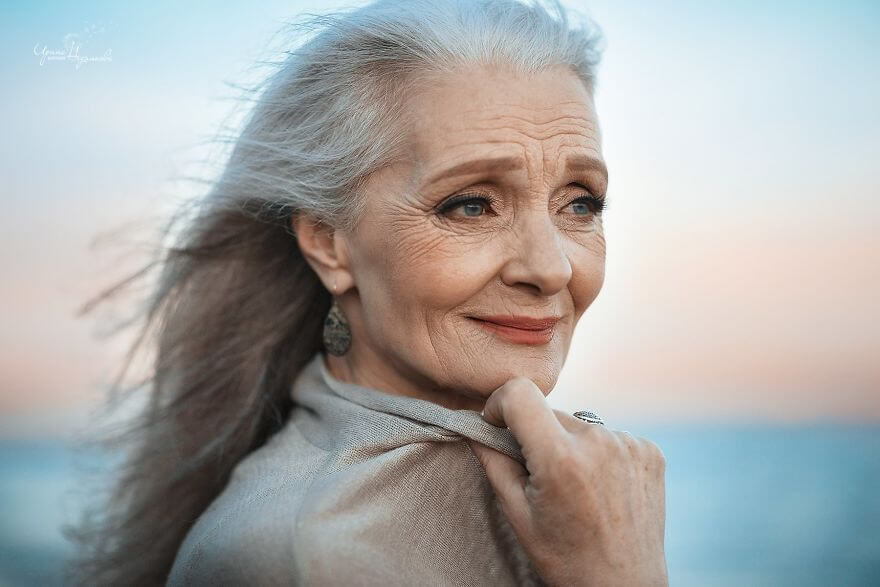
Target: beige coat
360 487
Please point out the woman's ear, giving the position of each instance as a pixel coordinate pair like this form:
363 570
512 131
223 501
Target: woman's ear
324 249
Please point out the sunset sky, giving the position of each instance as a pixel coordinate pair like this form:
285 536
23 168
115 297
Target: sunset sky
743 268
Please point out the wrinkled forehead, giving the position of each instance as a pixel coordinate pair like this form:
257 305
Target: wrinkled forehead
501 116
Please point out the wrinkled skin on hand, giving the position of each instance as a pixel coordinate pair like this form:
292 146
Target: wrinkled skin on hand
589 506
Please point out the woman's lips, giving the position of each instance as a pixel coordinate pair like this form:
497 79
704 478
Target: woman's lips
528 331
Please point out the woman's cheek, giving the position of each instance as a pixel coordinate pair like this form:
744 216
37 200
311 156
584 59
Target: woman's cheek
588 276
453 273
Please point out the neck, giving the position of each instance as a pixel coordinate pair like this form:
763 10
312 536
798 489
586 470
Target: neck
382 376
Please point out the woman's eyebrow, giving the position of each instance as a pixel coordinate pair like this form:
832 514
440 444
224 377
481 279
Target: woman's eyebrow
586 163
477 165
578 162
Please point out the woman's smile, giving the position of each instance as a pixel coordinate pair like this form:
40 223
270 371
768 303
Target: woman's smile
519 330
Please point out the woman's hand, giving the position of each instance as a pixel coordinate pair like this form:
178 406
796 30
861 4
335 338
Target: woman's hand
589 507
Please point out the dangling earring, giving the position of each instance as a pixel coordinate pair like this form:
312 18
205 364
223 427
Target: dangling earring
337 332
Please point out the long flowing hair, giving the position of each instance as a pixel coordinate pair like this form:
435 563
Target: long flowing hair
233 310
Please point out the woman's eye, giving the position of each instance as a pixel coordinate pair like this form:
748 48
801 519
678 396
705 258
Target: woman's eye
586 205
471 207
580 207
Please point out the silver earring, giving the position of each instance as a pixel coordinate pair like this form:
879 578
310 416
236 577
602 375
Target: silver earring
337 332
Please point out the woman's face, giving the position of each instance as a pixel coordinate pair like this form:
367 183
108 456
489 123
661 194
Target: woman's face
529 245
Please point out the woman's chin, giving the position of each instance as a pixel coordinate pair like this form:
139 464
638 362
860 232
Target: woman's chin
497 365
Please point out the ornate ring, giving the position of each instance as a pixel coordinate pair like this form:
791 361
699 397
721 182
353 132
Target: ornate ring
590 417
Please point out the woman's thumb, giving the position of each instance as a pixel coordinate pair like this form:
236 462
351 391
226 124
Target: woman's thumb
507 477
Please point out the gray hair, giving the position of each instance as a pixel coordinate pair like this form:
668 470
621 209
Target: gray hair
236 310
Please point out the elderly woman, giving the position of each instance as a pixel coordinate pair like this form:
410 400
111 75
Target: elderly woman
360 325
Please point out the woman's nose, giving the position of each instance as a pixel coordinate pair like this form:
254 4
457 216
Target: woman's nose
538 255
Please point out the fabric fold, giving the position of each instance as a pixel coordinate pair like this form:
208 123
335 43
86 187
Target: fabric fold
359 487
467 423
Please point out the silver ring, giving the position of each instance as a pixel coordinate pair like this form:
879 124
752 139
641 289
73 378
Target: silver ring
591 417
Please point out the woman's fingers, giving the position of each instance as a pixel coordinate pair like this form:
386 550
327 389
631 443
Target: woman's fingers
589 503
506 476
520 405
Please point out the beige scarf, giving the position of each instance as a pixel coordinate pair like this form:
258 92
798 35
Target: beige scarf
361 487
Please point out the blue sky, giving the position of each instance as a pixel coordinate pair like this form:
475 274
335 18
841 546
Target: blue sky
741 140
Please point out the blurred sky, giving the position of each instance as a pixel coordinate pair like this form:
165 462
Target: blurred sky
743 271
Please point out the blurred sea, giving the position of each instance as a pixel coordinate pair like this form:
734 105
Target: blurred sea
755 506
